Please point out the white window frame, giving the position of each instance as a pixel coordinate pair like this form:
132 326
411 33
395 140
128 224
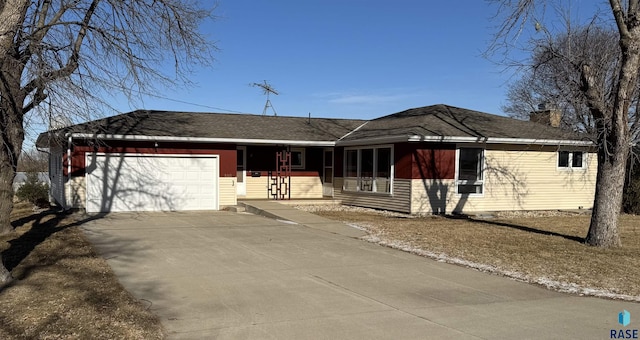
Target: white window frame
358 177
570 166
483 166
302 158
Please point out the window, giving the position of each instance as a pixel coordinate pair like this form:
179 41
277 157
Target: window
365 180
470 179
368 170
328 166
576 160
570 159
352 163
383 170
297 158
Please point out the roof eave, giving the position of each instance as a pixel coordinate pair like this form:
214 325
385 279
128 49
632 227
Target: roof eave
499 140
454 139
201 139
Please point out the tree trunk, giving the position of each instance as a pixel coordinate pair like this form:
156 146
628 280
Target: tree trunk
12 98
603 230
7 174
5 275
12 14
614 137
11 139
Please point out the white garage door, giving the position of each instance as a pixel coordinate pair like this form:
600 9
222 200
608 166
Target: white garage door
142 182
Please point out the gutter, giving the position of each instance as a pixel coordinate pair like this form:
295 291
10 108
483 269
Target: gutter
201 139
452 139
339 142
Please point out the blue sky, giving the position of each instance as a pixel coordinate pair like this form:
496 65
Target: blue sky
353 58
345 58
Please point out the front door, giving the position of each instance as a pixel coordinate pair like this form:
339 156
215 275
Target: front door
327 174
241 171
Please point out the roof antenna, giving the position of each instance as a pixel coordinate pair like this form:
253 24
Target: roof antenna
267 89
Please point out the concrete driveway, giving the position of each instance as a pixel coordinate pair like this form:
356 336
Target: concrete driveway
224 275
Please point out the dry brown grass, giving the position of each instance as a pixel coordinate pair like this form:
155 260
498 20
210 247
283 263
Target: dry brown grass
538 249
63 290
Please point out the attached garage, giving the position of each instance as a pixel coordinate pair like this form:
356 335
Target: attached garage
151 182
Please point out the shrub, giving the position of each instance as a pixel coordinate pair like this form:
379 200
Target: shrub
34 191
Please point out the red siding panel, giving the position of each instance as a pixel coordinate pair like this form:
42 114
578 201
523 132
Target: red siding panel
425 160
227 153
77 163
434 164
403 160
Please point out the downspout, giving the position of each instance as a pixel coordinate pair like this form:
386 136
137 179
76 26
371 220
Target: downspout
68 185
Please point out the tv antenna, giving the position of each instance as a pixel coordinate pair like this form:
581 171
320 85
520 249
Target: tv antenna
267 89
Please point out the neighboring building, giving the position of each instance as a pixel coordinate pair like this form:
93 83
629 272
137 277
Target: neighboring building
434 159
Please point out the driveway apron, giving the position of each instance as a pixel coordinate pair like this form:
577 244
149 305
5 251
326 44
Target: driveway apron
224 275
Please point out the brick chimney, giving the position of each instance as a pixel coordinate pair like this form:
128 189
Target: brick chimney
547 115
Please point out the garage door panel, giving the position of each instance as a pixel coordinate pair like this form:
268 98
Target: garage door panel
151 183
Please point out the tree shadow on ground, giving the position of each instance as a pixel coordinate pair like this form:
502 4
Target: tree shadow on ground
516 226
61 284
45 224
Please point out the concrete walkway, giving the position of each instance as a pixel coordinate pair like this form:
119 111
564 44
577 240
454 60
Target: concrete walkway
284 212
224 275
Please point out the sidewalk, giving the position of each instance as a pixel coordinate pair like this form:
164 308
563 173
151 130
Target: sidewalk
275 210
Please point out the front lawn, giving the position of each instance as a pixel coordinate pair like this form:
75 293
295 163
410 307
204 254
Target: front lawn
546 249
62 289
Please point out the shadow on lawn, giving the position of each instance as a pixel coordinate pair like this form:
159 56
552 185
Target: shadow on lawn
45 224
66 287
517 227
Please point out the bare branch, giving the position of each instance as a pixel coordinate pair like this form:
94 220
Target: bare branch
619 16
76 54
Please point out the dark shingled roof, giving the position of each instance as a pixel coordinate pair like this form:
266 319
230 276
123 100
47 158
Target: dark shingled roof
444 120
218 125
434 121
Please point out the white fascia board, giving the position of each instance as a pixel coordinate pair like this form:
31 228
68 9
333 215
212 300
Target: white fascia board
453 139
202 139
364 141
495 140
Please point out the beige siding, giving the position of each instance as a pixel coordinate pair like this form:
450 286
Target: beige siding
301 187
256 187
227 191
515 180
398 201
77 188
306 187
432 196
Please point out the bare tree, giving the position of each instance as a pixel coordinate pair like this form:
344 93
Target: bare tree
33 161
606 89
552 77
70 54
